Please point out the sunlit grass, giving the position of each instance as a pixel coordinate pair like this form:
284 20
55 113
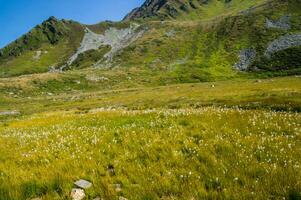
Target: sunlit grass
157 154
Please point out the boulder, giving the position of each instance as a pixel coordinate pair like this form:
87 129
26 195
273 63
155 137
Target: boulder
78 194
83 184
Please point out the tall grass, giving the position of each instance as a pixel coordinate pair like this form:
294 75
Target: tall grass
208 153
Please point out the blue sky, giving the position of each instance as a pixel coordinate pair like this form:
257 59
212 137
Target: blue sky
17 17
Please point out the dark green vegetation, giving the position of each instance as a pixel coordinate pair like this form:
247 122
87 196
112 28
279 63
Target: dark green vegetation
189 107
88 58
286 61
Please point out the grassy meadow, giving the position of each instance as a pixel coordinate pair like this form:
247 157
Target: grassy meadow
231 139
169 118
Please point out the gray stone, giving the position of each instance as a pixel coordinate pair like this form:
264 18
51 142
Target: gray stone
83 184
78 194
37 55
282 43
170 33
246 58
118 188
284 23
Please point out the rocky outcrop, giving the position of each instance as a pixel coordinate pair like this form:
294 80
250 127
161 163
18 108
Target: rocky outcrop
117 39
90 41
282 43
246 58
149 9
284 23
166 9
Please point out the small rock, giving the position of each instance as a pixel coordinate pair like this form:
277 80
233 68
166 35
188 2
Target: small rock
111 170
83 184
170 33
122 198
118 188
38 55
97 198
4 113
77 194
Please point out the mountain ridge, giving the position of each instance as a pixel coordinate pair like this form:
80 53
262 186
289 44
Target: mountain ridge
237 33
177 9
156 8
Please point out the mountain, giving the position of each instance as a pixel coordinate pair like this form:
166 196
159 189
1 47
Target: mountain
219 38
188 9
178 101
188 40
46 45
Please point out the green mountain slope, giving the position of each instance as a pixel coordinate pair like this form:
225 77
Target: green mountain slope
45 46
187 40
202 50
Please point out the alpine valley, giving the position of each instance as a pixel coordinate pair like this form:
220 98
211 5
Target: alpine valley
182 99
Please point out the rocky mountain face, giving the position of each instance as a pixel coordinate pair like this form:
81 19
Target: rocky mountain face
192 39
150 8
165 9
